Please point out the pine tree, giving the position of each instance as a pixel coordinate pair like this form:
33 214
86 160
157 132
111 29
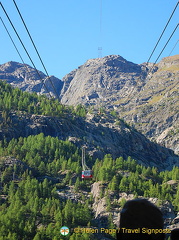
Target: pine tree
45 186
123 186
77 184
119 163
42 168
58 217
176 199
114 184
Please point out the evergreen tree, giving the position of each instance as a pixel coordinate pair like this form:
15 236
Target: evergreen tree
123 186
77 184
114 184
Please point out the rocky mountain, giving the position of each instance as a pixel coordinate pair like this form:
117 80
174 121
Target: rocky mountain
101 81
146 96
29 79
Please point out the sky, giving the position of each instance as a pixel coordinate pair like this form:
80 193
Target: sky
68 33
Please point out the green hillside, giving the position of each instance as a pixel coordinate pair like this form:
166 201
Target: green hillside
30 206
38 172
16 100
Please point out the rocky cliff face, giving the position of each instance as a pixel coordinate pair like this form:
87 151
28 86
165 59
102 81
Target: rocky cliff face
101 80
155 109
102 135
146 96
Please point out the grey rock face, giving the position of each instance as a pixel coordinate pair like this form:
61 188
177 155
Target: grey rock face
146 96
99 80
28 79
101 134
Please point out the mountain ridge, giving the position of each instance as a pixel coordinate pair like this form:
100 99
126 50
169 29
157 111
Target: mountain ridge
146 96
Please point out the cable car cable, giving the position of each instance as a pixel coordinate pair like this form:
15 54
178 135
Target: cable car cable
36 49
174 47
16 47
164 47
163 32
167 42
156 59
56 122
100 32
86 172
157 45
24 48
12 41
17 50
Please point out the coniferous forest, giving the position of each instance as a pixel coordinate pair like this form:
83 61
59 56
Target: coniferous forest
34 170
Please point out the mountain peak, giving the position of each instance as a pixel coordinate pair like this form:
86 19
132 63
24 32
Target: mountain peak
10 66
100 79
107 60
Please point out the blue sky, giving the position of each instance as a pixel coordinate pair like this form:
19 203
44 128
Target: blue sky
68 33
